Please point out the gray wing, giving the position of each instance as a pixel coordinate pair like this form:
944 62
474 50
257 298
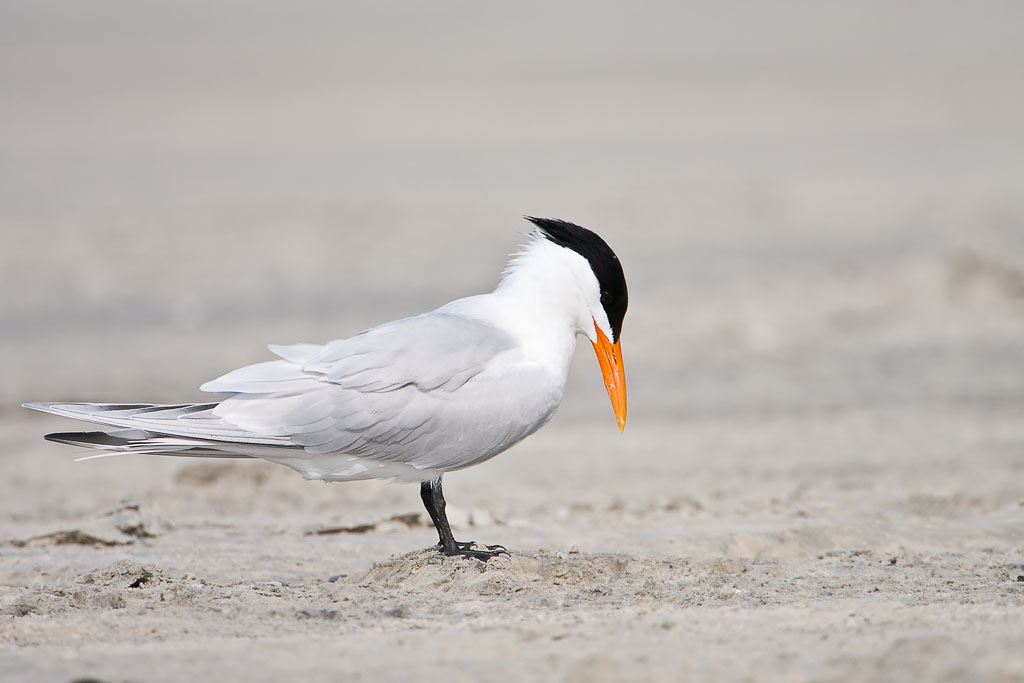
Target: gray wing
433 351
402 392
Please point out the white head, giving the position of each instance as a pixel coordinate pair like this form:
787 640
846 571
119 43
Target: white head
581 280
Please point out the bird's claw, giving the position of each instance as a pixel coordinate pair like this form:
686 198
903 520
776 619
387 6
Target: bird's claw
468 545
466 549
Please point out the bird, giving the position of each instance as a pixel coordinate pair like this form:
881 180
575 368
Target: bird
408 400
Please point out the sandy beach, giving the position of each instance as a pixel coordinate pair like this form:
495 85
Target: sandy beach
820 213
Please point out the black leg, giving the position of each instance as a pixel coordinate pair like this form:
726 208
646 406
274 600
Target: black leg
433 500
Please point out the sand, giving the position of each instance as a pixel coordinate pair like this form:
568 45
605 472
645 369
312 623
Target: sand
820 211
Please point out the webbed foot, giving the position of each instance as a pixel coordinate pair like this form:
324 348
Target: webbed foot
467 549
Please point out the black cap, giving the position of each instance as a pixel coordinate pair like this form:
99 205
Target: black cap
602 260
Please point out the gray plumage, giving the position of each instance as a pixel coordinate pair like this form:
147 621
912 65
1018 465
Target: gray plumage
395 394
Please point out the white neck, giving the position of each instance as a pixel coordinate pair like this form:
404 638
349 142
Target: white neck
539 301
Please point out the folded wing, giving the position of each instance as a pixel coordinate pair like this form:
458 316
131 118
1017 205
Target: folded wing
416 394
393 393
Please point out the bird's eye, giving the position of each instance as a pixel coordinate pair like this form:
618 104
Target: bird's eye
605 298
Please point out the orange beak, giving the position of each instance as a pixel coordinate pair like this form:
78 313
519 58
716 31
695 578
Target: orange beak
610 357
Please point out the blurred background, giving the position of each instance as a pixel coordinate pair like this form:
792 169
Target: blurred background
818 205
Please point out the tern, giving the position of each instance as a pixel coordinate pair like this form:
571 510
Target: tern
408 400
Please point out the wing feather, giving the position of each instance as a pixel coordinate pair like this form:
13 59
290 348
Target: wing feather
194 421
407 393
431 351
276 376
299 354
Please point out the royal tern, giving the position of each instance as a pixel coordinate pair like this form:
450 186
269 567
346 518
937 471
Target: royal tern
411 399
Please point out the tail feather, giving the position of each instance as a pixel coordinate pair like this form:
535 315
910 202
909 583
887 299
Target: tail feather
136 441
184 429
185 420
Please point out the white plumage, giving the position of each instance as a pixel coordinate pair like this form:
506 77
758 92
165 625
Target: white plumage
408 400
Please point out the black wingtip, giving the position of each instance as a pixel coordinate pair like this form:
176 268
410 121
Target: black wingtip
69 438
96 439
